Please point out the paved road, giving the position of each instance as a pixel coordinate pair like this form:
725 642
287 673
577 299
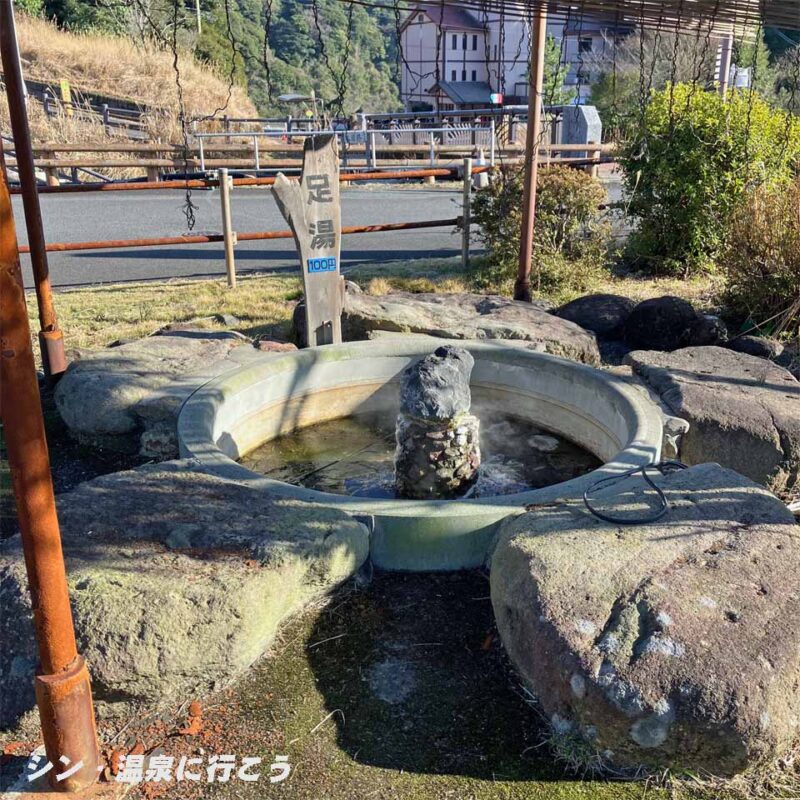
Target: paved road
128 215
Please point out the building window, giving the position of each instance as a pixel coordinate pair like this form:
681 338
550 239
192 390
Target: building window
474 41
474 76
463 74
455 42
464 41
585 45
453 75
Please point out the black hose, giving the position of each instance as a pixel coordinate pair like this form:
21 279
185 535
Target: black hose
664 467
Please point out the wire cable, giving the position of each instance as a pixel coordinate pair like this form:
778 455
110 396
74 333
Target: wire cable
664 467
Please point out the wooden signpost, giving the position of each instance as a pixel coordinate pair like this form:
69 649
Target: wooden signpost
313 210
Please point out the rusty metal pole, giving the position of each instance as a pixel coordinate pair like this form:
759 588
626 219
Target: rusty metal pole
522 287
51 339
63 691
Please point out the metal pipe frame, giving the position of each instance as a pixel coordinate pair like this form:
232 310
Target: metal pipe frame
51 339
211 183
254 236
63 690
522 287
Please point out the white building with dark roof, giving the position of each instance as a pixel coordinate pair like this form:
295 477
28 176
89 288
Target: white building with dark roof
454 58
475 58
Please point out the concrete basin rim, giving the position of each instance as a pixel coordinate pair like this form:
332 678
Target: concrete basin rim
195 440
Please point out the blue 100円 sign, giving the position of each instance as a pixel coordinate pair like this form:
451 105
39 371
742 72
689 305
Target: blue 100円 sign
327 264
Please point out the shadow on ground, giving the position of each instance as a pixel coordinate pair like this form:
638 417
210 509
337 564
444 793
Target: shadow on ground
399 689
71 463
421 681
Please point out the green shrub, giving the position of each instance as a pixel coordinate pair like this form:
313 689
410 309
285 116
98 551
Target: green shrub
691 164
571 237
762 259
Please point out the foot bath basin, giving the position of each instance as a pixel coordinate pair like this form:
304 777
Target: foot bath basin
233 415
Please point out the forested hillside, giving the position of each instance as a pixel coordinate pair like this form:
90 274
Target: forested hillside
342 51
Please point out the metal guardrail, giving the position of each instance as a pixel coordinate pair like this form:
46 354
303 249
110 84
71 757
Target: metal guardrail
114 120
406 170
160 241
211 183
432 139
230 237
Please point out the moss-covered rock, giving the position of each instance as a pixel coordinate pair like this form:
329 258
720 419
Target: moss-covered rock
127 398
178 581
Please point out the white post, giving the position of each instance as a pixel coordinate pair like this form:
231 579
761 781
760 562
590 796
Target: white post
493 134
225 186
372 154
433 151
255 150
465 211
202 155
725 55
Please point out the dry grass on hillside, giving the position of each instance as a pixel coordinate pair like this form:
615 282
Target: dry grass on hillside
117 67
71 129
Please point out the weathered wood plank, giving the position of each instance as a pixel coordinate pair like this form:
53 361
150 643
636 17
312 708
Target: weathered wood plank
312 208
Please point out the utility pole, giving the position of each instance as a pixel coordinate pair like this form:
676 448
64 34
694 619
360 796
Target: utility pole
522 287
51 339
63 690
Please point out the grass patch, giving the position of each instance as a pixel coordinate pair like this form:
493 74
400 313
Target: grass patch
94 317
447 275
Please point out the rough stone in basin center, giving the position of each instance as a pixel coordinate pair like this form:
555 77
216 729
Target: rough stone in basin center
438 440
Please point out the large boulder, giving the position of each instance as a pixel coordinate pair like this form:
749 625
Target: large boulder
467 316
743 411
671 644
178 581
668 323
761 346
603 314
708 330
126 398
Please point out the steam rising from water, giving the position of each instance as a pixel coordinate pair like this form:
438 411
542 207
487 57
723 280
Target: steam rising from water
355 456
